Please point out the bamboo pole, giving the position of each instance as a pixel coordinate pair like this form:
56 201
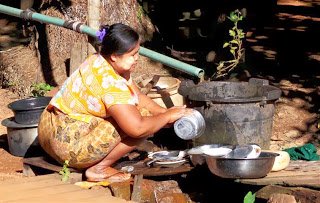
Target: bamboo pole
93 19
24 4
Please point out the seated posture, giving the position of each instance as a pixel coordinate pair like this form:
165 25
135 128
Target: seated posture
99 115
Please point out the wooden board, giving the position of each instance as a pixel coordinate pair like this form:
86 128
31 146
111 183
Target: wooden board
44 162
140 168
49 188
298 174
161 171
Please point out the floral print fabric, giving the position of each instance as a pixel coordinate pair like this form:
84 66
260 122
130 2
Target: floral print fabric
83 144
92 89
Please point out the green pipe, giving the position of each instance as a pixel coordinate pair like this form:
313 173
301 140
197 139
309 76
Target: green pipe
82 28
184 67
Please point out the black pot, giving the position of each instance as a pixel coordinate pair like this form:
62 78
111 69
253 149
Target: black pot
28 111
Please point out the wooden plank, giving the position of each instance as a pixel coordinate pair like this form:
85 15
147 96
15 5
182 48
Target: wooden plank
302 181
49 188
290 174
82 195
298 173
106 199
29 179
140 167
74 177
88 200
160 171
38 192
25 186
42 162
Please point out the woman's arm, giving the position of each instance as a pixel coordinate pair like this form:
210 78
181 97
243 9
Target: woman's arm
133 124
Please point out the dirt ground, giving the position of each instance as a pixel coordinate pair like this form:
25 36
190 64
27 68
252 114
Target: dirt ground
295 119
11 166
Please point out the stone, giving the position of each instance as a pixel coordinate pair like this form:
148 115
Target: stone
121 189
281 198
169 191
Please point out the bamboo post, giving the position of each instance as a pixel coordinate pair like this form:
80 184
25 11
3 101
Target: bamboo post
78 55
24 4
93 19
82 49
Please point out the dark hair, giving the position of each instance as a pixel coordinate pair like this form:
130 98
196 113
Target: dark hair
119 39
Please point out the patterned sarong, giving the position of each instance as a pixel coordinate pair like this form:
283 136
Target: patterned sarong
82 143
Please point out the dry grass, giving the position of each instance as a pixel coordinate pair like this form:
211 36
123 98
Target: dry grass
19 69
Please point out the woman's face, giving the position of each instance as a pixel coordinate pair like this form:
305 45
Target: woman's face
126 62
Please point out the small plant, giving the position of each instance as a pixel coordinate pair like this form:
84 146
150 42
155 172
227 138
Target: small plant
40 89
249 198
65 172
235 46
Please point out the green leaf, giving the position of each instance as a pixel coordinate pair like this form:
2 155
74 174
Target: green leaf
233 16
232 33
249 198
234 41
225 44
232 51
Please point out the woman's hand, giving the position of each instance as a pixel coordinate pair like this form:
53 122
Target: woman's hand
177 112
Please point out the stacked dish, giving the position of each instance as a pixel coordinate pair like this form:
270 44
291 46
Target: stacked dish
197 154
167 158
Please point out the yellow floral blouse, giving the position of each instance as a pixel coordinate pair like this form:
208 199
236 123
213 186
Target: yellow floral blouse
92 89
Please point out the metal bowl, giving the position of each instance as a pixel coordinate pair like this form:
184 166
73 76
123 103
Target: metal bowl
242 167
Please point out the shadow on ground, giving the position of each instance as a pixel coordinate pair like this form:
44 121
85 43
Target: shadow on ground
281 44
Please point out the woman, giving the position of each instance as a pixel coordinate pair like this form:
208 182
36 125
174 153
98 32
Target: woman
99 114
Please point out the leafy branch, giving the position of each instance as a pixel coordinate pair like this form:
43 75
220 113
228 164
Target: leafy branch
235 46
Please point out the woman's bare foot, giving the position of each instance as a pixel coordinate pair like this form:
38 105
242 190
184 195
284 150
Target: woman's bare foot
97 173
